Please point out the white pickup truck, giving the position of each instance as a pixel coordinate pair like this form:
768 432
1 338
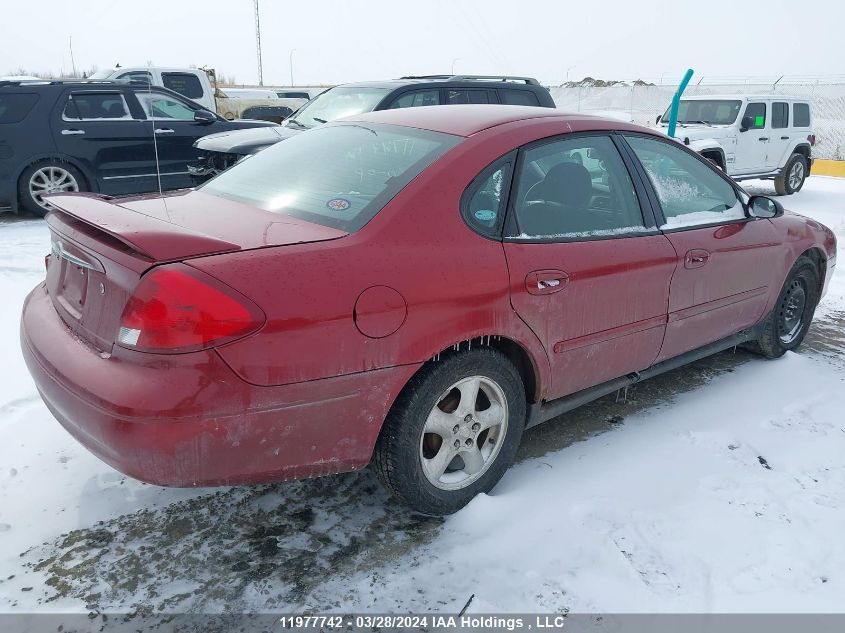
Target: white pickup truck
196 85
769 137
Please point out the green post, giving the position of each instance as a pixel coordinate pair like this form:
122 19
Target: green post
676 102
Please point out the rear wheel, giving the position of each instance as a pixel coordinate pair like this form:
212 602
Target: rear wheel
44 178
792 178
453 432
787 325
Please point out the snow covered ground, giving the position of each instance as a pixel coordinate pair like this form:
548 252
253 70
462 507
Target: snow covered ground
719 487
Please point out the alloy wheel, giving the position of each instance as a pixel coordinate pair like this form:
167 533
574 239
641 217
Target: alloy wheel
50 179
464 433
796 175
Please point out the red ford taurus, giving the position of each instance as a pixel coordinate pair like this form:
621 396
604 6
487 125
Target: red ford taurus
409 289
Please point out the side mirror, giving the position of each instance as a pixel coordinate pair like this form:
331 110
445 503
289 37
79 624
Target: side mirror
657 120
746 124
204 116
764 207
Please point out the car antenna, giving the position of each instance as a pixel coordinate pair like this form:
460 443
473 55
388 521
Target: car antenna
155 141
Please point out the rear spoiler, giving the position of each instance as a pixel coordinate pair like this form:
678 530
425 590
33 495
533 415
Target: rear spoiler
146 235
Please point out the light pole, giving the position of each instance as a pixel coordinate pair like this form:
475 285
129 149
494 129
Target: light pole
258 44
290 58
567 72
453 64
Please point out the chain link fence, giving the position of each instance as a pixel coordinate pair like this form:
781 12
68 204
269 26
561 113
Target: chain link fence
643 103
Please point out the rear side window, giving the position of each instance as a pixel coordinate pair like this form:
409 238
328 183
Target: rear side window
780 115
15 107
184 83
518 97
458 95
337 175
801 115
757 112
417 98
483 204
292 95
93 106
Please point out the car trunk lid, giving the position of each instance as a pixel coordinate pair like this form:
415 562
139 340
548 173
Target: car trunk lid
100 248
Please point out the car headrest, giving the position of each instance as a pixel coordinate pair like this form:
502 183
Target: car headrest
566 184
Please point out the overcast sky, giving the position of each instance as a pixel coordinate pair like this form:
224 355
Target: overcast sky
338 41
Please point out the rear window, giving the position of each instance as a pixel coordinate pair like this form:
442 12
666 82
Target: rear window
801 115
518 97
293 95
15 107
338 176
185 84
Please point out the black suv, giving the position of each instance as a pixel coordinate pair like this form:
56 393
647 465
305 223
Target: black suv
99 136
220 151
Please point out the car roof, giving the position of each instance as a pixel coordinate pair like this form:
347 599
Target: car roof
743 98
490 81
465 119
93 83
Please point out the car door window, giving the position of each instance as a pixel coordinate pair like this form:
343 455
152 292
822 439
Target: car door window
780 115
99 106
456 96
757 112
159 106
690 192
575 188
417 98
518 97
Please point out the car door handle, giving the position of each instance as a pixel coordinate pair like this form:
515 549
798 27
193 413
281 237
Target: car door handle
696 258
72 132
546 282
763 138
784 138
164 130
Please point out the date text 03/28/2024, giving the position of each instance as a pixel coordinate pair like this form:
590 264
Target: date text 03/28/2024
416 622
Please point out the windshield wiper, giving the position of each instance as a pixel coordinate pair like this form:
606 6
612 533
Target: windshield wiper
296 124
318 120
707 123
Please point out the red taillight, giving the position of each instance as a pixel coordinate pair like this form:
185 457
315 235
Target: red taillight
812 139
177 309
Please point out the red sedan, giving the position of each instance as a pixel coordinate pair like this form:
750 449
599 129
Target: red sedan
409 289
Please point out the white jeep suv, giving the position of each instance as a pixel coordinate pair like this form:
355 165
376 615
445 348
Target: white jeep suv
769 137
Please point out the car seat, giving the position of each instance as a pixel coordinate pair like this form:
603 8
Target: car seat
558 203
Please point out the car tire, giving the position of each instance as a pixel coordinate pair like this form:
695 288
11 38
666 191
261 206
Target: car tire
787 324
53 176
792 177
438 447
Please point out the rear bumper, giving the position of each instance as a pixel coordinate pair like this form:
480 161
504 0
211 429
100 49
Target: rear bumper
188 420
